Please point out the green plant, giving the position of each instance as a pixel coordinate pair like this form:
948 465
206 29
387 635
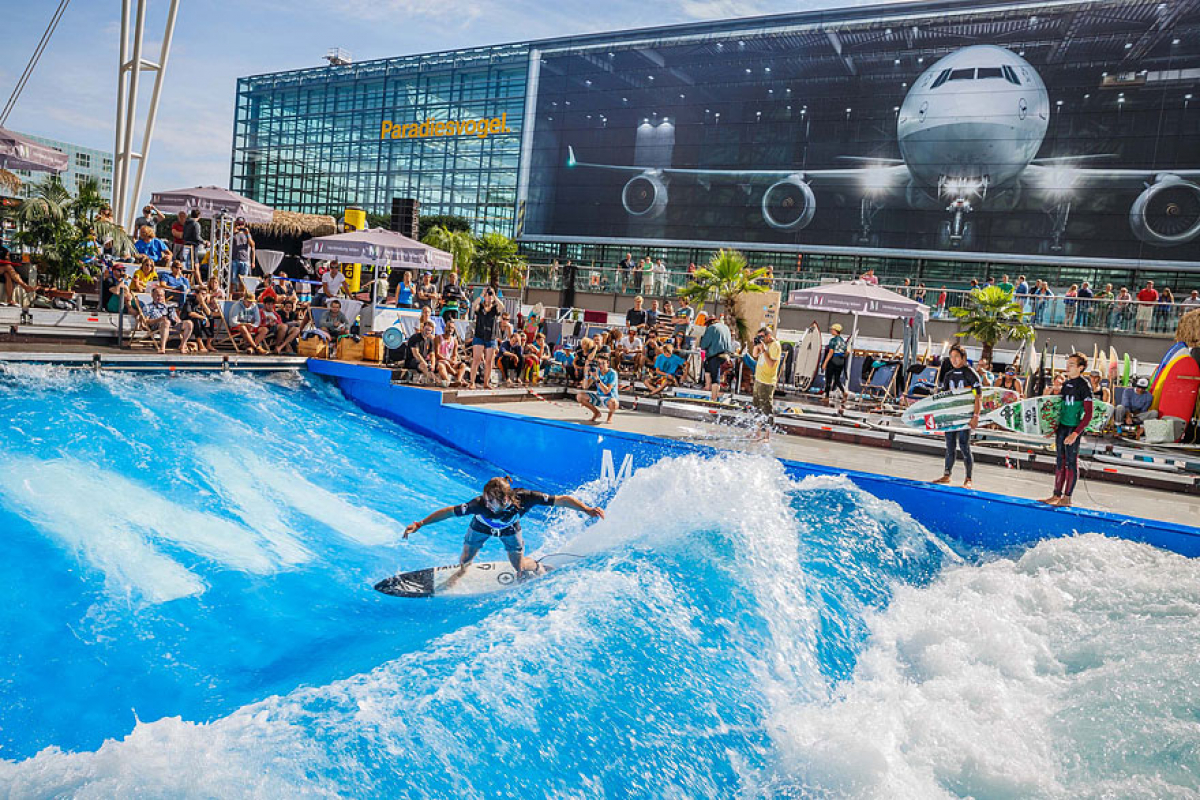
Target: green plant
495 258
991 315
725 279
458 244
451 222
63 229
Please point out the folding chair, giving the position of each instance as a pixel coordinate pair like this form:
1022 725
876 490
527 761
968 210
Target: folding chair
223 334
881 383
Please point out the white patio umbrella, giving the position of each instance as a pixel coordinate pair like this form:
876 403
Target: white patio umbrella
213 201
378 247
865 299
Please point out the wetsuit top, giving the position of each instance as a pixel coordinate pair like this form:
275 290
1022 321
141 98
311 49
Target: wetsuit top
507 520
956 379
1076 409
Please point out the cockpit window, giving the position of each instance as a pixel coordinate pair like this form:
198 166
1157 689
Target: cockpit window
989 72
1011 76
945 76
963 74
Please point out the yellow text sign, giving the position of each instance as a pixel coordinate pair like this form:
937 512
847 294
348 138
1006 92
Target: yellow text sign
482 128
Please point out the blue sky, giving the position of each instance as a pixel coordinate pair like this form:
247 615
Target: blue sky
72 94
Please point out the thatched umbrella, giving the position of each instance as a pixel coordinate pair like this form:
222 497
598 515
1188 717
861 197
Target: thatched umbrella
9 181
1188 331
293 223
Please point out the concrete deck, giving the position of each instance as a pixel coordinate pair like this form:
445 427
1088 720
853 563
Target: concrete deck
1131 500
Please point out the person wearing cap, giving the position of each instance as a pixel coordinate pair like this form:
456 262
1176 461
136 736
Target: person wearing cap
241 253
1009 380
1134 408
1100 388
767 351
114 290
835 362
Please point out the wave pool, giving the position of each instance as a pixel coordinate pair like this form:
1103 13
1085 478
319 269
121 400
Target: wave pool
185 576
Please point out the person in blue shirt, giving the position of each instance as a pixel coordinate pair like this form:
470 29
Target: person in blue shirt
666 370
177 285
404 291
148 245
599 390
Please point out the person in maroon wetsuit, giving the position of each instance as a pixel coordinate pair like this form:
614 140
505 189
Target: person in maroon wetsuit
1074 415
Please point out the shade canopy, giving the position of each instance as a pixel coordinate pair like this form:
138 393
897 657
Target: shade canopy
21 152
856 297
212 202
378 247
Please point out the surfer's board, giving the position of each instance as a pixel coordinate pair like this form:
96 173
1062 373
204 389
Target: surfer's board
807 356
1039 416
483 577
946 412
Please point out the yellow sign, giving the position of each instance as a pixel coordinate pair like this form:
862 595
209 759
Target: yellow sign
467 127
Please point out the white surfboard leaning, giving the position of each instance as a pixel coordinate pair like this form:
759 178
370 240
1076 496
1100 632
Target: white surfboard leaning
807 354
946 412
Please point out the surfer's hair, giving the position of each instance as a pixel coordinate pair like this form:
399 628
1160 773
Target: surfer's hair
500 489
958 348
1080 359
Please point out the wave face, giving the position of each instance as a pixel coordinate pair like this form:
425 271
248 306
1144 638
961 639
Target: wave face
725 630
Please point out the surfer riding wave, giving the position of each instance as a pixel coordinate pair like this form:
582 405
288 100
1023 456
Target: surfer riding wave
497 513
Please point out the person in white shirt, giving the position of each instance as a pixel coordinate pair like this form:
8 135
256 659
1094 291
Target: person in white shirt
332 283
632 349
1192 301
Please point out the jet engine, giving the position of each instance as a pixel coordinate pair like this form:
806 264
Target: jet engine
645 195
1167 213
789 204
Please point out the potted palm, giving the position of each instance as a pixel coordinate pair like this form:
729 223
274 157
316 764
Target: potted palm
990 316
724 279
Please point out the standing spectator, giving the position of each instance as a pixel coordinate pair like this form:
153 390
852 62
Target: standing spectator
150 216
943 296
1086 306
453 299
835 363
660 276
625 268
767 351
717 344
1074 414
870 278
1069 303
483 343
193 242
921 293
651 317
427 294
161 316
647 276
636 316
1124 308
960 378
664 328
1022 288
242 254
177 232
1103 307
1164 312
1147 299
149 246
1192 302
1006 284
405 290
333 284
684 316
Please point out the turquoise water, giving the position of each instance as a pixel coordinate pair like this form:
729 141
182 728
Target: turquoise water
185 573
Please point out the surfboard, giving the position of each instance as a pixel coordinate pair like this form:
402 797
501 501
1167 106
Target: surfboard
1172 351
946 412
483 577
1039 416
807 358
1177 391
1113 366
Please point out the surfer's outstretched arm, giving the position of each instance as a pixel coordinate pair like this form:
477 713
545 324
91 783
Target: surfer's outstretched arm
437 516
566 501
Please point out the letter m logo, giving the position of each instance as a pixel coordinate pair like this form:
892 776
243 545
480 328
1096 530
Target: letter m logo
608 470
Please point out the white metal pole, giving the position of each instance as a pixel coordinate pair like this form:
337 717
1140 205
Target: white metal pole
131 111
118 198
153 113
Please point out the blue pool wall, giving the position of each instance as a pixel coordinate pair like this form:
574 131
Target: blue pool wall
568 454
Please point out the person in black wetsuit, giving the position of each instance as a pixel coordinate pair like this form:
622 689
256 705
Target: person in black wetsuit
1074 415
497 513
959 377
483 344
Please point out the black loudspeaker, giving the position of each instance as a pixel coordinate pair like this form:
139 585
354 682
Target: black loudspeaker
405 216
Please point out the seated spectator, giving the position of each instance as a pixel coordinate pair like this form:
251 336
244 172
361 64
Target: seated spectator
334 323
419 354
584 352
115 291
176 284
145 276
160 317
215 292
632 350
198 309
505 328
1134 408
245 320
531 361
666 370
148 245
265 290
426 316
283 287
16 276
599 390
271 327
509 360
449 367
1055 386
333 284
293 317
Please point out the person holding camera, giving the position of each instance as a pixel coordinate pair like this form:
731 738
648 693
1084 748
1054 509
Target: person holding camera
767 352
601 380
483 343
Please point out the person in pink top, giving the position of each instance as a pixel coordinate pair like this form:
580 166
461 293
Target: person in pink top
870 277
1147 298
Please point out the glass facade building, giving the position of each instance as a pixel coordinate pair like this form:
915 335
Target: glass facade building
939 140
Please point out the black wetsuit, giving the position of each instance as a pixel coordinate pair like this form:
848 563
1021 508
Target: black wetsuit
1073 417
957 379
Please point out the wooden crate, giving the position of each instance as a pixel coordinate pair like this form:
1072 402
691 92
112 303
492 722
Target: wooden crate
373 349
312 347
349 350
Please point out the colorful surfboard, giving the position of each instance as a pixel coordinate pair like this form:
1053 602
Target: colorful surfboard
1178 388
951 411
1039 416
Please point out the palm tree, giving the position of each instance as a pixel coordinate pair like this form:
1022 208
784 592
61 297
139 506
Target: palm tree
495 258
990 316
725 278
457 243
